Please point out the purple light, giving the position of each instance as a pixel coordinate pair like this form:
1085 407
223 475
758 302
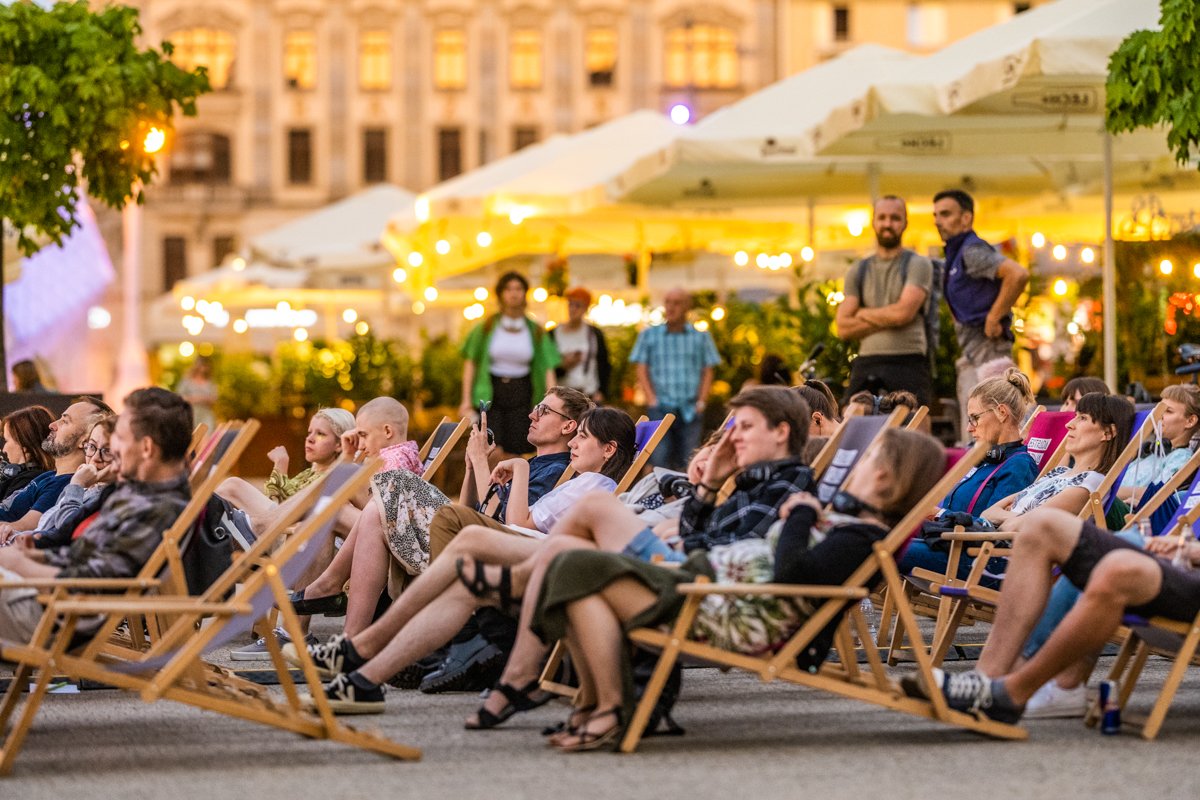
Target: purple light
680 114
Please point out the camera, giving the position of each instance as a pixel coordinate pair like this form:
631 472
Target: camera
675 485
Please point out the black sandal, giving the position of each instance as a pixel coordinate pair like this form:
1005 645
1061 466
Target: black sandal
484 590
586 740
569 726
518 700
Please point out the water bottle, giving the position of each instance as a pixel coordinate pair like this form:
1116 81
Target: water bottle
1145 531
1180 560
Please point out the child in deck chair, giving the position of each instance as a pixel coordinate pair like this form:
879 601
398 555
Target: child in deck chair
590 597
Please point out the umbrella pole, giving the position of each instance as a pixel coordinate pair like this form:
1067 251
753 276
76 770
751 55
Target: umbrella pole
1109 293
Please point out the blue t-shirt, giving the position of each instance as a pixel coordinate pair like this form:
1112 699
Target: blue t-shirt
40 495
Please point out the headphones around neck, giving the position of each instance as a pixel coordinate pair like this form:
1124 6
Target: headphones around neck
998 453
845 503
763 471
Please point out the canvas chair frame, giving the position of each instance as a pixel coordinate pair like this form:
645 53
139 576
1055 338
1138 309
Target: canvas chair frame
966 601
185 677
873 685
444 453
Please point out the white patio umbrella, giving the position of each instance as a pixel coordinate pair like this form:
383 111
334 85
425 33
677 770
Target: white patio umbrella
342 236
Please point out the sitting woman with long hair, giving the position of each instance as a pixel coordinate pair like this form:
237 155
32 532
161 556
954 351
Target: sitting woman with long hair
1161 458
24 459
591 598
995 410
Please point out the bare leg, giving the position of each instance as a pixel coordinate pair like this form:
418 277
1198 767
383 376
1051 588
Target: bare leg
603 519
432 627
333 578
368 571
242 494
483 544
1121 579
1045 538
595 632
525 661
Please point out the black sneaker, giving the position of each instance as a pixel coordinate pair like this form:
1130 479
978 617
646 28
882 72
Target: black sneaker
469 667
334 657
408 678
348 696
974 693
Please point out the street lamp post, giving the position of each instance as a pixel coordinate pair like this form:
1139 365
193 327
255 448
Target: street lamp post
133 368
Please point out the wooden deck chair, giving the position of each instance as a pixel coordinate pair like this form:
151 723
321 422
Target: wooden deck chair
163 570
847 446
873 685
438 446
1045 437
174 668
1173 640
966 601
648 433
224 439
918 416
198 436
1029 421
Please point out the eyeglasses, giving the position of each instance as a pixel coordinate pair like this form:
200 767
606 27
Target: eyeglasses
540 410
973 419
91 450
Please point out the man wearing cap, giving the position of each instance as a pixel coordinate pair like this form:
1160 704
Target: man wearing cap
585 364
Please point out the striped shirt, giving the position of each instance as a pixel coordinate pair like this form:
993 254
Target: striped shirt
675 362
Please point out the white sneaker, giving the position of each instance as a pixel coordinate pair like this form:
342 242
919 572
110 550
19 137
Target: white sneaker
1054 702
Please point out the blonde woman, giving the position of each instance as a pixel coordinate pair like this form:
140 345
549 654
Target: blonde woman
1160 460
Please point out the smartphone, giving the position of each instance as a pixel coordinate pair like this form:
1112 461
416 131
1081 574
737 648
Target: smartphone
484 407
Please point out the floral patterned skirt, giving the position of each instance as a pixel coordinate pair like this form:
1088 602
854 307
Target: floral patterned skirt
406 505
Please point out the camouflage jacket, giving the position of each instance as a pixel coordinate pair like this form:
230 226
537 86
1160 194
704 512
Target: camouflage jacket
127 530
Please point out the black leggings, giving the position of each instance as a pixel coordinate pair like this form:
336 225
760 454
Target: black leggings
512 400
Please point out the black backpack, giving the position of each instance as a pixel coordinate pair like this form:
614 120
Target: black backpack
643 663
207 548
931 312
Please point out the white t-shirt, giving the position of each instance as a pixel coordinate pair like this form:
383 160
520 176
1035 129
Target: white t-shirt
584 376
553 506
1052 483
510 351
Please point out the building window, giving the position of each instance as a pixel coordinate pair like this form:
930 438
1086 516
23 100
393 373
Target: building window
375 61
523 136
525 59
375 155
174 261
201 157
449 153
300 155
927 24
450 59
841 23
223 246
300 59
702 56
205 47
600 56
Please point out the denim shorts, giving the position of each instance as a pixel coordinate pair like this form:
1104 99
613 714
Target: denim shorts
646 546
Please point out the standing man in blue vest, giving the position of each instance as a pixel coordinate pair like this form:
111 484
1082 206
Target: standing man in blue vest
675 372
981 288
887 296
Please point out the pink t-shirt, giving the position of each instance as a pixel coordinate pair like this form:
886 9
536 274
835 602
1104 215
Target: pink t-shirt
405 455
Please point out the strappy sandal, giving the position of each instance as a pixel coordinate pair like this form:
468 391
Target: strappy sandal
586 740
480 587
569 726
518 700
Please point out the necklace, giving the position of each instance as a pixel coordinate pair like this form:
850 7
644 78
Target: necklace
511 325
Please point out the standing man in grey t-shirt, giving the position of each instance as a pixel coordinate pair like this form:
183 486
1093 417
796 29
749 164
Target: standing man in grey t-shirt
886 297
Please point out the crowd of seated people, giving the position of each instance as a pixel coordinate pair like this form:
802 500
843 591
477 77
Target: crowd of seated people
448 595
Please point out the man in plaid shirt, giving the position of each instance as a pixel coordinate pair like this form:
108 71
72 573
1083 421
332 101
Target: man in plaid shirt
675 372
150 446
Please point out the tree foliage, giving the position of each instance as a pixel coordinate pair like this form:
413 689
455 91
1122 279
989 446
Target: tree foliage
77 97
1152 79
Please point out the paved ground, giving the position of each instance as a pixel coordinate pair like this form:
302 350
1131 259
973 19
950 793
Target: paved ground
744 740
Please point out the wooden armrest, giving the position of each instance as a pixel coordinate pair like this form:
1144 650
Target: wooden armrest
773 589
81 583
150 605
977 536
